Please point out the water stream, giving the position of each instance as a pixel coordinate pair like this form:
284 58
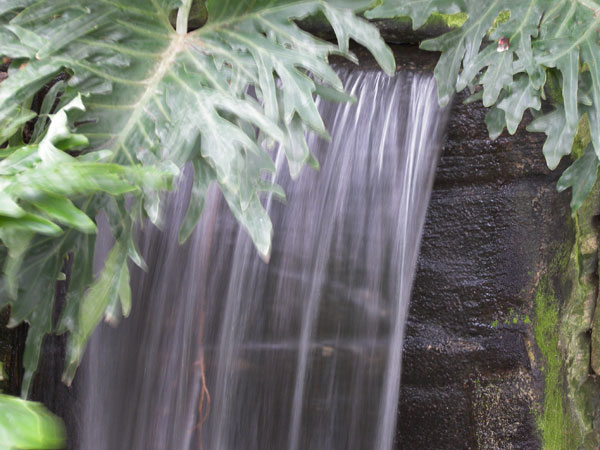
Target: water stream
225 352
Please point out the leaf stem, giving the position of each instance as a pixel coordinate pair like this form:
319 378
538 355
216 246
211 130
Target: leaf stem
182 17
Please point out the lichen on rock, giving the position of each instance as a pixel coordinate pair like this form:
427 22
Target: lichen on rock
566 330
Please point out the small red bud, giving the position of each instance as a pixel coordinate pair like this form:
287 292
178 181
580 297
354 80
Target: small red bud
503 44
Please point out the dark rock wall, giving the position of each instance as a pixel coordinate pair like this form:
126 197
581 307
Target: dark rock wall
471 379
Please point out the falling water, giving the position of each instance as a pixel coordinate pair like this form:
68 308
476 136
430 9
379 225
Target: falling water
225 352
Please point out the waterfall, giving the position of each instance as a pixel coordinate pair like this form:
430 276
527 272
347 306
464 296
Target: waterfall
225 352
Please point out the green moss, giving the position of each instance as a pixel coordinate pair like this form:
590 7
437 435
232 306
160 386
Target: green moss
582 138
576 318
513 318
450 20
553 86
560 263
436 20
503 17
557 427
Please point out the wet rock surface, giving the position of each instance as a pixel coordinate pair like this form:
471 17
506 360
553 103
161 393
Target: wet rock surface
470 377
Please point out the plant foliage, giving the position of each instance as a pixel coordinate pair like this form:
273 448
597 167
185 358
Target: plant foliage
28 425
148 97
511 54
156 98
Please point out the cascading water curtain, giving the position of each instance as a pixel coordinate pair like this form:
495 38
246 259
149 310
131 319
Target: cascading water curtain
225 352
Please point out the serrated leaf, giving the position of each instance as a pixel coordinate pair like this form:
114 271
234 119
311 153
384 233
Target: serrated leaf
203 176
495 119
256 220
521 96
169 76
581 177
38 182
560 136
347 25
569 68
475 97
333 95
461 45
274 189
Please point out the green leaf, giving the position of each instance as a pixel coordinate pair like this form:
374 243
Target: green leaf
495 120
297 152
135 256
18 90
581 177
99 301
202 179
255 220
154 80
125 291
8 207
63 210
39 182
521 96
17 242
30 222
28 425
46 109
346 25
560 135
507 47
418 10
462 46
333 95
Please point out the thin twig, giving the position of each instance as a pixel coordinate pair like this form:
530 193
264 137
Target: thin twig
204 402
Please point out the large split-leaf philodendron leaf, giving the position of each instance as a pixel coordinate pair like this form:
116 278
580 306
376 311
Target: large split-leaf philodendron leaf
217 97
186 96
